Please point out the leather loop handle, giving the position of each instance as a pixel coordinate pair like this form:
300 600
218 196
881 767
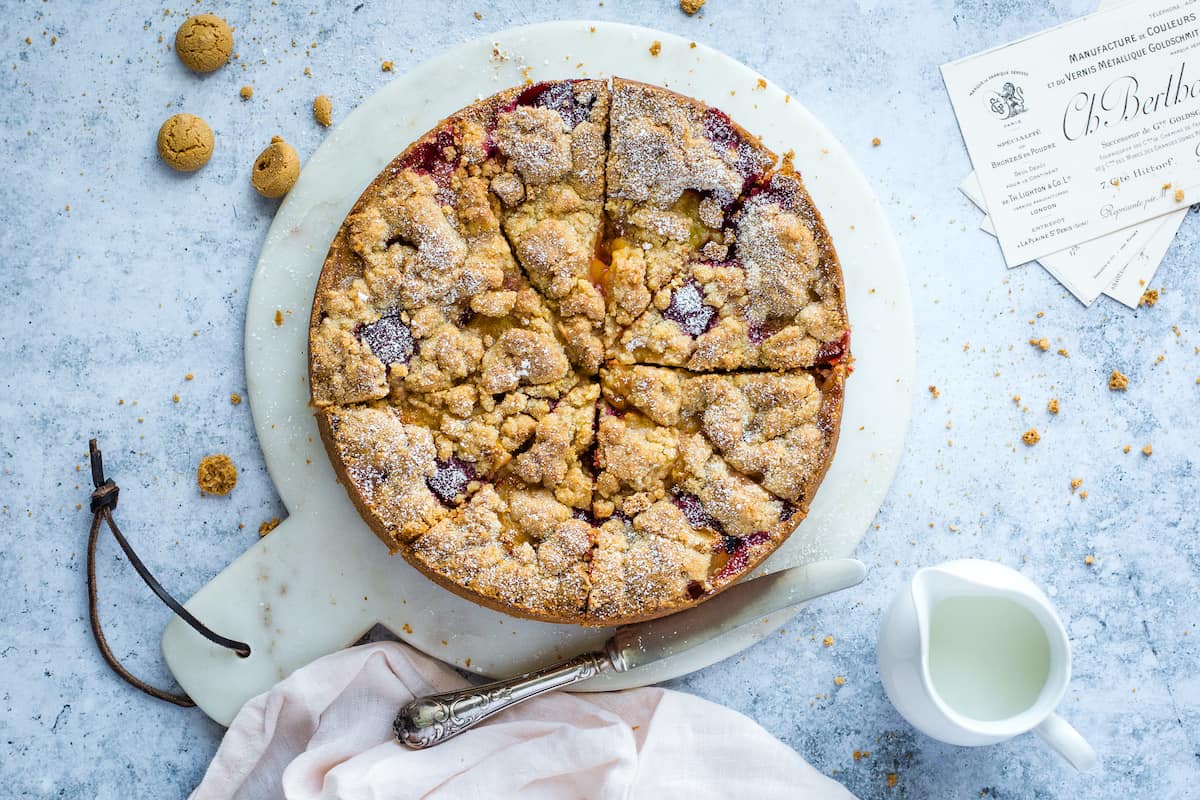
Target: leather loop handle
104 500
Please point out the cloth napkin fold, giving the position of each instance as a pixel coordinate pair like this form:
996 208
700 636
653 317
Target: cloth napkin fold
325 732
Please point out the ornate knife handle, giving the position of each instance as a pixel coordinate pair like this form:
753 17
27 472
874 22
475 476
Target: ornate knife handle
431 720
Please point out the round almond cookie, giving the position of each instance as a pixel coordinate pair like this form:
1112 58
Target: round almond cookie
578 353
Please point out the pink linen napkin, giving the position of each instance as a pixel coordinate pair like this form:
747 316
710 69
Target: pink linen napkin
325 732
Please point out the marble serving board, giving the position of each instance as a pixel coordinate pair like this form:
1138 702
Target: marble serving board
322 579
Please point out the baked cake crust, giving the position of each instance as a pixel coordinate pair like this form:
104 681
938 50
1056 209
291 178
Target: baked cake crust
579 352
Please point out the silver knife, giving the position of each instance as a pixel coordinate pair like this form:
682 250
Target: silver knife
431 720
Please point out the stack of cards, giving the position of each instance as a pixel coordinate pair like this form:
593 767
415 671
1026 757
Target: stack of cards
1086 143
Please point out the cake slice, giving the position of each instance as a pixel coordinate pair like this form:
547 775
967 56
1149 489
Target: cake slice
551 142
773 301
420 292
777 428
677 170
512 550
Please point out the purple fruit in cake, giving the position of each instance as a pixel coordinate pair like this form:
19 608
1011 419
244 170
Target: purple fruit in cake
450 479
694 511
739 556
557 96
831 353
435 158
720 130
695 590
388 338
687 309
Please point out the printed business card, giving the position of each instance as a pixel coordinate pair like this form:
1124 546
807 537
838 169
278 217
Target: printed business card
1085 129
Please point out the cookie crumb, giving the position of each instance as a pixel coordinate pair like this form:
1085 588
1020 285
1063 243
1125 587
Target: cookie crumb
246 92
839 681
1149 298
407 628
1126 448
323 110
1062 351
174 398
655 47
278 318
386 66
1075 484
185 142
827 641
276 169
1118 382
189 377
1017 399
861 754
216 474
690 7
1052 406
235 399
204 42
892 780
1166 186
933 390
1148 450
876 142
1031 437
268 526
1089 559
1083 495
477 15
1179 195
1042 344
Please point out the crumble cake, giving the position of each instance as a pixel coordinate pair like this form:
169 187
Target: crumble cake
578 353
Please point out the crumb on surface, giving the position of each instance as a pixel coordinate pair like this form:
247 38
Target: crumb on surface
1118 382
216 474
278 318
861 754
690 7
1179 195
762 84
933 390
246 92
235 399
1149 298
1075 484
1083 495
386 66
1031 437
189 377
406 628
876 142
174 398
839 681
827 641
1042 344
655 47
1089 559
1016 399
268 526
477 15
1126 448
1148 450
323 110
1052 406
892 779
1062 351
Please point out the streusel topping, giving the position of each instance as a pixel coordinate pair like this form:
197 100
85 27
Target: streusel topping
578 353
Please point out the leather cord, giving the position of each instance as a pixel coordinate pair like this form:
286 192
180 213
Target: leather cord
104 500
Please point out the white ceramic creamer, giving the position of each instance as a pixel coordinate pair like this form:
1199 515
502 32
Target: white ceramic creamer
972 652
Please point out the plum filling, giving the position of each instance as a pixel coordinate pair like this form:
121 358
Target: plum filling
759 332
720 130
450 478
789 511
831 353
435 158
694 511
688 311
557 96
388 338
739 556
695 590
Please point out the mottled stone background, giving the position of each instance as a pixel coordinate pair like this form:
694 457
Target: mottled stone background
119 277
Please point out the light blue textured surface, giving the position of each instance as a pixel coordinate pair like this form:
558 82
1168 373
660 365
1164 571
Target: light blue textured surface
144 279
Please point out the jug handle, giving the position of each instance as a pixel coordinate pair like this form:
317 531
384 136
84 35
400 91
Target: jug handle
1066 741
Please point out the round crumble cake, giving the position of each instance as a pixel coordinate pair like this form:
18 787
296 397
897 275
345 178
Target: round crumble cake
578 353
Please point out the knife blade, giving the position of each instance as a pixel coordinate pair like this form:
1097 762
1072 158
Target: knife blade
431 720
